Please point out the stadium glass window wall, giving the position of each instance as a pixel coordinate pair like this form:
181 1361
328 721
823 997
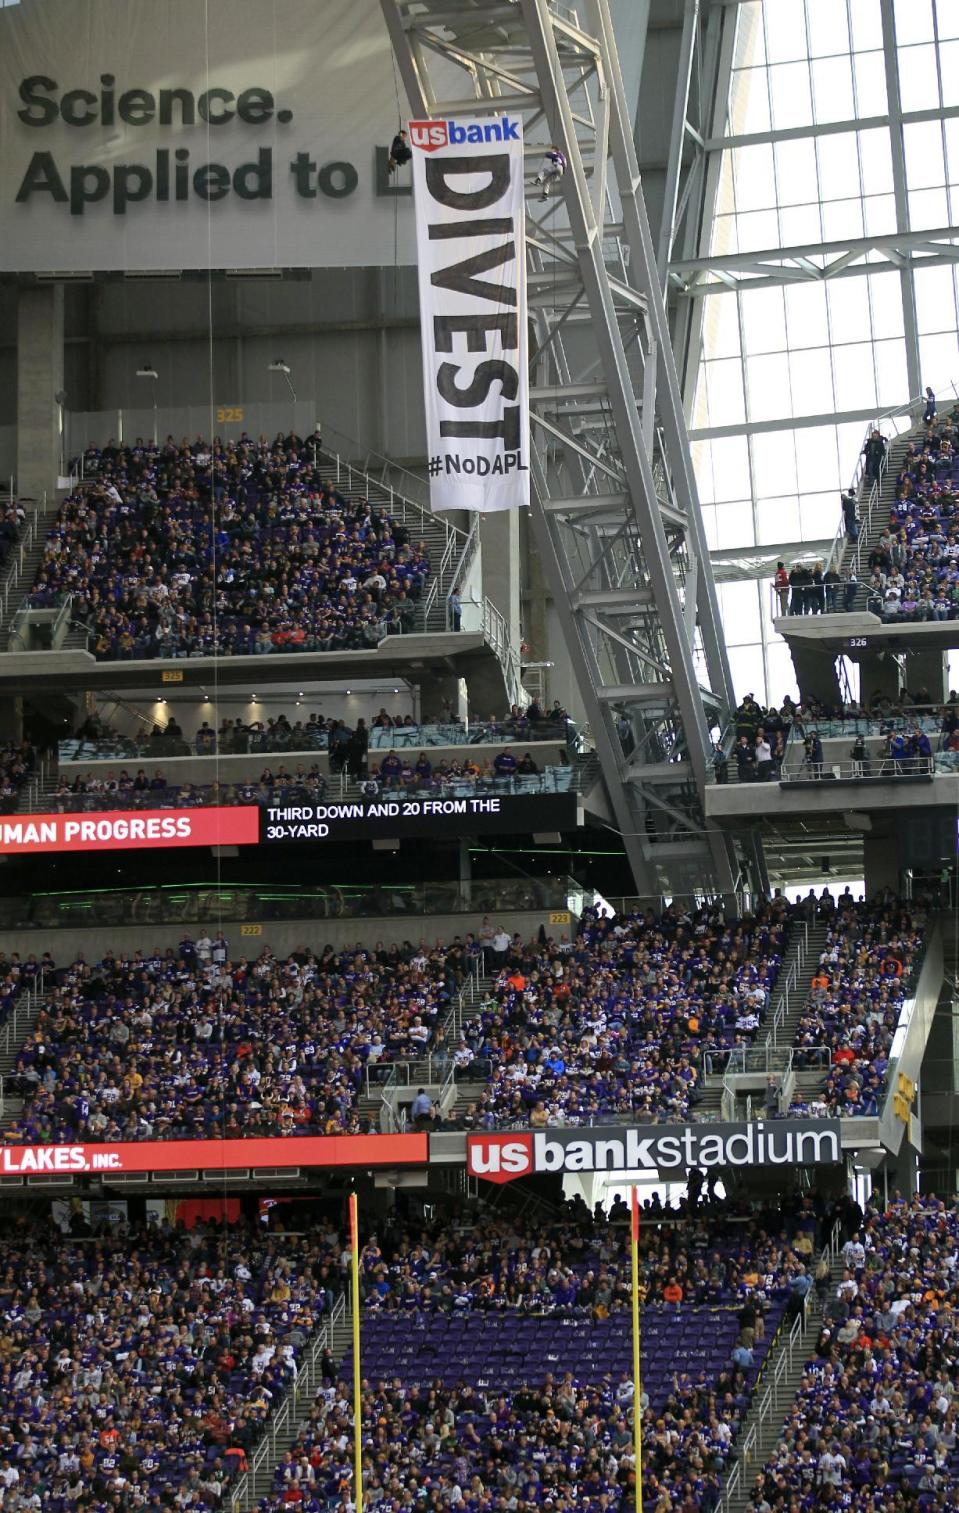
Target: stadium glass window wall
791 373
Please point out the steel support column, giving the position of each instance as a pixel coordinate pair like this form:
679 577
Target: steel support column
900 190
616 515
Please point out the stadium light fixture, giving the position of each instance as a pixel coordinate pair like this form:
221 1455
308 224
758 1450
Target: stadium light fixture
279 366
147 370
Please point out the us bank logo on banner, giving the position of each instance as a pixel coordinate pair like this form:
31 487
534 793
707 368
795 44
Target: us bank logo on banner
655 1148
471 252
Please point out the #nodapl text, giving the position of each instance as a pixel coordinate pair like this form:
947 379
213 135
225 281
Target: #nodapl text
503 1158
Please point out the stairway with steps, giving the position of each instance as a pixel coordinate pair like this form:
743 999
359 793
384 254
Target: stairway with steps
804 959
292 1412
21 1022
444 543
423 1073
855 554
788 999
775 1393
20 570
709 1104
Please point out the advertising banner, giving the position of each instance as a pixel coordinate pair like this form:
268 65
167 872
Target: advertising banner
654 1147
471 255
21 834
163 134
219 1155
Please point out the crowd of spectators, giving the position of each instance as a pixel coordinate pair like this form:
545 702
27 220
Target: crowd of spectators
239 737
138 1367
918 736
561 1438
17 762
195 549
914 565
195 1043
712 1251
616 1022
814 590
911 572
88 792
856 996
395 774
506 772
875 1425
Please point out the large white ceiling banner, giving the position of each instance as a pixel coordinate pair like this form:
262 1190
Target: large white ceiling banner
153 134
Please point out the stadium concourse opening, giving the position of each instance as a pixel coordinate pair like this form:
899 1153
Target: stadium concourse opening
479 773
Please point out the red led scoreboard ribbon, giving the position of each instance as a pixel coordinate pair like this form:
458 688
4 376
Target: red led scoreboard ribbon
221 1155
24 833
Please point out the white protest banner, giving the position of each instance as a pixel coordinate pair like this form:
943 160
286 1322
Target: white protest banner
471 252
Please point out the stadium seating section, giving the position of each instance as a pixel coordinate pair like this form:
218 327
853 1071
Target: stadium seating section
139 1369
857 993
874 1424
618 1022
143 789
496 1358
244 547
615 1023
186 1045
914 566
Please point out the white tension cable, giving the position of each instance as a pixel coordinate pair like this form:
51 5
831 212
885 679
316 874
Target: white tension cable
471 255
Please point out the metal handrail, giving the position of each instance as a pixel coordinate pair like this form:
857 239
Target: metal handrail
873 767
496 632
792 979
837 550
770 1403
464 562
303 1385
14 1029
749 1060
15 567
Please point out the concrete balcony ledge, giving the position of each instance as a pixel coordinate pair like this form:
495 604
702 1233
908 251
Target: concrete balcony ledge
862 630
418 657
738 802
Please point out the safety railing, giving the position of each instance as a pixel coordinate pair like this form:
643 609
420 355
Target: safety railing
749 1060
208 903
462 568
390 1076
882 767
775 1390
788 984
496 632
12 586
30 795
908 409
553 779
865 722
303 1389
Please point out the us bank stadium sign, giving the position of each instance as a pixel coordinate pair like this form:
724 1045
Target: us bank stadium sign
654 1147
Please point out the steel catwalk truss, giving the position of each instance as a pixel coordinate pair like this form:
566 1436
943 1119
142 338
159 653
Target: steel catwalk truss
615 515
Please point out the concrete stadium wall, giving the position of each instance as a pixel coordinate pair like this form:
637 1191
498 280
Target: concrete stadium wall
282 936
